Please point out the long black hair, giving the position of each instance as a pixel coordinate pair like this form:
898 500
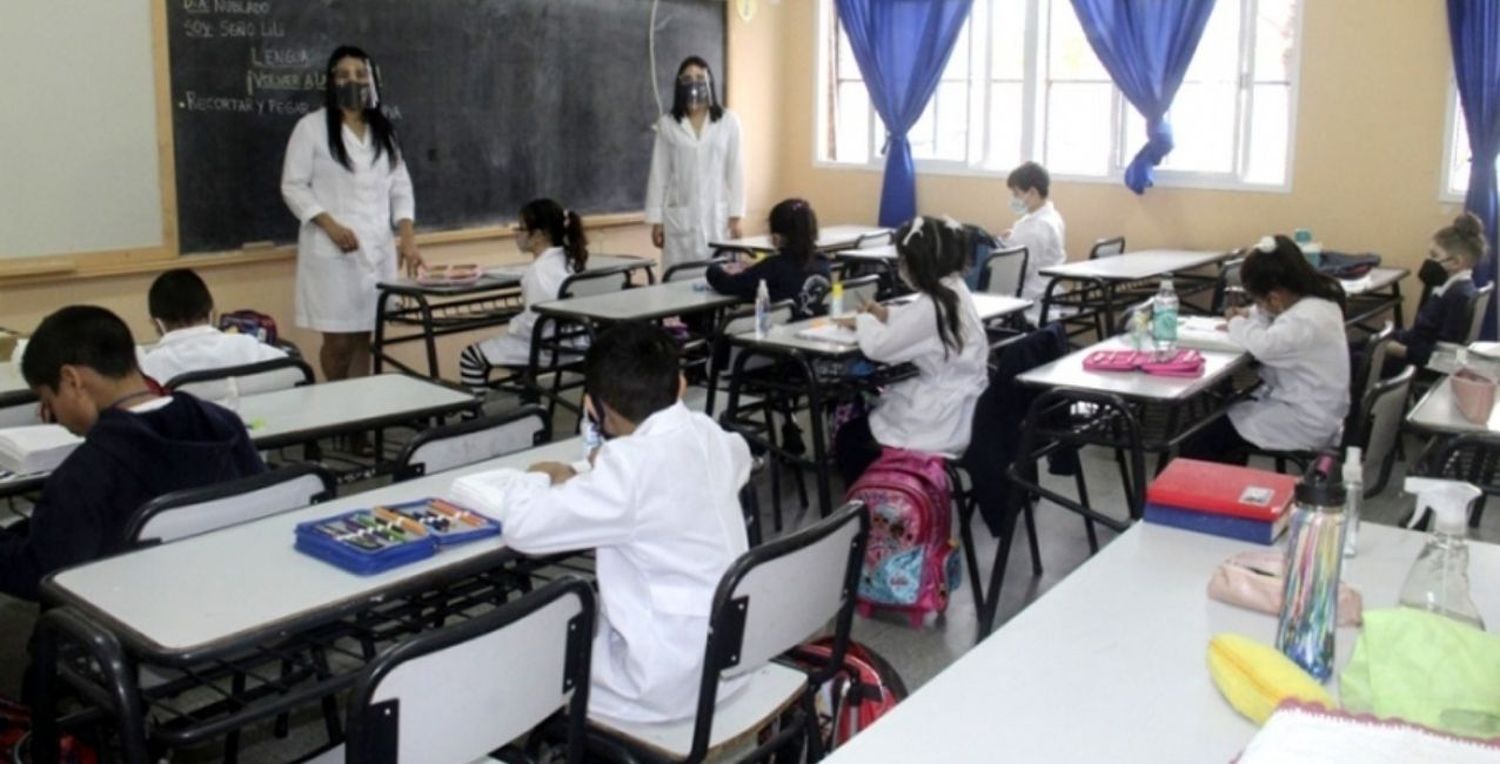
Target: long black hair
679 104
930 250
794 221
564 228
385 132
1283 266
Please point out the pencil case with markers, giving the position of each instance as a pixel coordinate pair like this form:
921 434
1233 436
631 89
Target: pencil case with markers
377 539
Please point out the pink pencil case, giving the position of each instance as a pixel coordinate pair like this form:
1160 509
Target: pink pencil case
1182 363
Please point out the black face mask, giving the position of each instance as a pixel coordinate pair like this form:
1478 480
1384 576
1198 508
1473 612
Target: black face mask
354 96
1432 273
694 93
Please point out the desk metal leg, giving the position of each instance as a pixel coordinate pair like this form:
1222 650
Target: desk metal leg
1400 309
429 337
819 438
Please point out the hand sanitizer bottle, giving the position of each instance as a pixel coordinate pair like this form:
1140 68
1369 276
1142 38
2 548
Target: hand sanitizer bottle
1439 579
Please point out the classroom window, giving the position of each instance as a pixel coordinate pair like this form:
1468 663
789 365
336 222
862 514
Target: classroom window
1023 82
1456 172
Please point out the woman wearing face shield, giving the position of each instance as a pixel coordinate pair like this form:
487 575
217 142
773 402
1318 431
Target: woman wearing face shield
346 181
696 192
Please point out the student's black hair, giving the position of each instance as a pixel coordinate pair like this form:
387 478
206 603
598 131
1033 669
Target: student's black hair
564 228
379 124
930 250
1464 238
1028 176
1285 267
794 221
633 367
78 335
179 298
679 105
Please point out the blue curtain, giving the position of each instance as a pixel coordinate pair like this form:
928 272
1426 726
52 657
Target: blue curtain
901 47
1474 30
1146 46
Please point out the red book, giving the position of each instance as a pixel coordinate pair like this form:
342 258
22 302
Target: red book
1223 489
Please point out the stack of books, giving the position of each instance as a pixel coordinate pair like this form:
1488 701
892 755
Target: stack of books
1221 499
38 448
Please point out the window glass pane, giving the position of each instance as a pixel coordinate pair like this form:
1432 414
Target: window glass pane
953 121
1008 39
1005 126
1275 36
851 133
1269 138
1218 54
848 67
1069 55
958 61
1458 159
1078 128
1202 120
923 134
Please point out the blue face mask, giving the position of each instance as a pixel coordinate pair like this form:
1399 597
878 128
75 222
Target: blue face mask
1018 205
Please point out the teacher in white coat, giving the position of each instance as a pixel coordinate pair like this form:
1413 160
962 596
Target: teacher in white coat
346 181
696 192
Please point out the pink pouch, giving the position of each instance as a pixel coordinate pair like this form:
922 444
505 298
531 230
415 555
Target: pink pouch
1114 360
1183 363
1253 580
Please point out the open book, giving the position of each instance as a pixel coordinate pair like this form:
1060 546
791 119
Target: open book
829 332
1203 333
38 448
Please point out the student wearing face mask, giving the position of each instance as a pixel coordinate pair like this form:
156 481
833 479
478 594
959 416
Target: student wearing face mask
696 191
1039 229
1449 272
1295 330
345 180
554 238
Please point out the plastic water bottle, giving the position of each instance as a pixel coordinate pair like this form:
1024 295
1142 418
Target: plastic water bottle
231 399
1354 496
762 311
1439 579
836 299
1140 326
1164 319
1314 556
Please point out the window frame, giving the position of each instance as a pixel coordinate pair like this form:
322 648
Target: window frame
1033 130
1446 195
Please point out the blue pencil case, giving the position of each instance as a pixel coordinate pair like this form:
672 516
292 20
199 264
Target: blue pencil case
361 543
448 523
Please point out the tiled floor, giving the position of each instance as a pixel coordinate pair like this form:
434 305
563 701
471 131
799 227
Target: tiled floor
917 653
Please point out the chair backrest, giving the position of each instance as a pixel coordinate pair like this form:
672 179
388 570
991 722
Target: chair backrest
1371 369
459 692
1379 424
249 379
1107 248
1229 279
20 415
777 595
860 290
687 271
1004 271
590 283
463 443
192 511
1479 308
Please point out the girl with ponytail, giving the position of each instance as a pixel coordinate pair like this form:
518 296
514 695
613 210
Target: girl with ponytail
940 334
554 237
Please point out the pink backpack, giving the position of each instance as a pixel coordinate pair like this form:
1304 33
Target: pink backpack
910 563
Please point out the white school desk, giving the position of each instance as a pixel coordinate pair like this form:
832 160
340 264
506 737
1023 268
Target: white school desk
991 307
1099 280
1111 664
304 414
1437 413
1373 294
432 311
1068 372
640 304
830 239
207 594
884 253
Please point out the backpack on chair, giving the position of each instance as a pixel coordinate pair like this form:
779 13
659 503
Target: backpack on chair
864 689
910 565
257 325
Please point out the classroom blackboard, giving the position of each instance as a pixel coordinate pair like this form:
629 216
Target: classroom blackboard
495 101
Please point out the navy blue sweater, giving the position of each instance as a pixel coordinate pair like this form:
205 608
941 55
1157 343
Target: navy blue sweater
785 280
126 460
1442 319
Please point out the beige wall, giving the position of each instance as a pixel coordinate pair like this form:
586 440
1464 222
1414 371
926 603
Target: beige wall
269 286
1368 149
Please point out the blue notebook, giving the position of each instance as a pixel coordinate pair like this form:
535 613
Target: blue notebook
1243 529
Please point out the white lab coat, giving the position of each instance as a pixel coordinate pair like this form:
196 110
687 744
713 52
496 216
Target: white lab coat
336 291
661 507
197 348
541 282
934 411
1043 235
697 184
1304 357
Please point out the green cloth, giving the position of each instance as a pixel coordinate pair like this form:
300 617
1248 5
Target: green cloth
1425 668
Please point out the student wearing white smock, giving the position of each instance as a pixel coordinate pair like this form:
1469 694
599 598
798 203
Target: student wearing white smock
941 334
554 237
660 505
345 180
182 310
1040 230
1296 331
696 191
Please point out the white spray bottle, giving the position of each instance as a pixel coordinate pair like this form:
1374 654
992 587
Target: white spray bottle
1439 579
